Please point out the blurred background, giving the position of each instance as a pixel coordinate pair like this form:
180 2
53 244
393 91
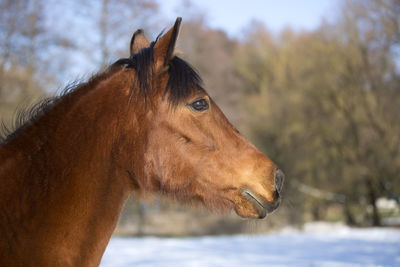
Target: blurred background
315 85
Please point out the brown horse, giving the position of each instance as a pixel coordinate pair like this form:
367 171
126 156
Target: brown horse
144 125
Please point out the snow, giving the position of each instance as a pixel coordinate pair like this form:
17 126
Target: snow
319 244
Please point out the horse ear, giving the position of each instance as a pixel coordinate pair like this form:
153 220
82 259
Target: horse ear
138 42
164 47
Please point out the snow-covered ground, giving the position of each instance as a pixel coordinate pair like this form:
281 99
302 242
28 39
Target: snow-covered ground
318 245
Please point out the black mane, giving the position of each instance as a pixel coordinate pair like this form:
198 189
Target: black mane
183 81
26 115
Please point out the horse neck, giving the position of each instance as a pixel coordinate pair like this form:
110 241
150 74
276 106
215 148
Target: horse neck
62 194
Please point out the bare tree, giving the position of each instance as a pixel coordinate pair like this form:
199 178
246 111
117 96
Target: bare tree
23 36
116 19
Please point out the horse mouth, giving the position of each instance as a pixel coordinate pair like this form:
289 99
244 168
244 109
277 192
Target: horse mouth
262 207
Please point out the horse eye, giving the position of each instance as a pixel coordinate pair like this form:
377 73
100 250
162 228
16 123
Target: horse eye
200 105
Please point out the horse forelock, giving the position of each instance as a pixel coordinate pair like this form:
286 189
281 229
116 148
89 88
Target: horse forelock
183 79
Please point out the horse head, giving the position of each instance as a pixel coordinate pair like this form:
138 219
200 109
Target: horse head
191 151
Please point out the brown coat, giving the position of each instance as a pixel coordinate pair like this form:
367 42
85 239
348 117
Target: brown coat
145 125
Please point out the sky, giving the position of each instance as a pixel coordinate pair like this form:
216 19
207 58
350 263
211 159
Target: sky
233 15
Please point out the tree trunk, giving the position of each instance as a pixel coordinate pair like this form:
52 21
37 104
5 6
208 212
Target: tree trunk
376 219
349 215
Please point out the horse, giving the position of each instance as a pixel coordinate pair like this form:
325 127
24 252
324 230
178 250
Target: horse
146 124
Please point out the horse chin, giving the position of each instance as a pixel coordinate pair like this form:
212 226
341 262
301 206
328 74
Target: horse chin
250 209
253 213
261 210
251 205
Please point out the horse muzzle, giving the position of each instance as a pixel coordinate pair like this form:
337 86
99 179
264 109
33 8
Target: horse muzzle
262 206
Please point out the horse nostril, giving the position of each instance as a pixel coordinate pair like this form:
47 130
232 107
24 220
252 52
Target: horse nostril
279 178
